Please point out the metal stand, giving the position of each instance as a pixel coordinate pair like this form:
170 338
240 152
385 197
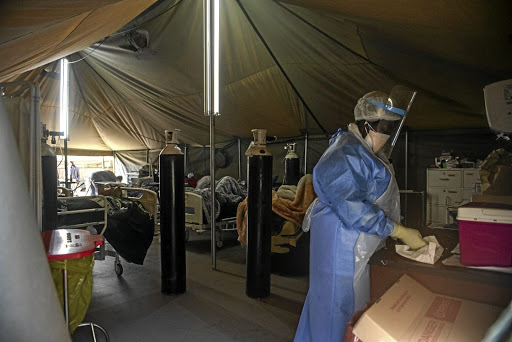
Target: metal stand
93 333
66 310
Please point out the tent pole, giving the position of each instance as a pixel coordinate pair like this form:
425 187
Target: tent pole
239 160
211 25
212 188
148 161
66 179
114 164
406 158
406 185
306 154
185 158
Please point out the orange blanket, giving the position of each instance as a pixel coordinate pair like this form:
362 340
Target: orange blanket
290 211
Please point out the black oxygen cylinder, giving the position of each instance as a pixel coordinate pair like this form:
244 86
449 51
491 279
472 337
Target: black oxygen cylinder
291 166
259 213
172 216
49 185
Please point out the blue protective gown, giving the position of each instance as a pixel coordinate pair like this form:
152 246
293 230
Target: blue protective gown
348 179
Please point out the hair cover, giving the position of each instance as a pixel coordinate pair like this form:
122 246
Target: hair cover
365 110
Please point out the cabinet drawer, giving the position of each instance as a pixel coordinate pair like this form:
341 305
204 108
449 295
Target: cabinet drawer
470 177
441 196
445 178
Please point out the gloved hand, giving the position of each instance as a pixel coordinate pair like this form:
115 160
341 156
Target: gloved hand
411 237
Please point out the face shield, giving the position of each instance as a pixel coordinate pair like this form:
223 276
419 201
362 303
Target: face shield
385 128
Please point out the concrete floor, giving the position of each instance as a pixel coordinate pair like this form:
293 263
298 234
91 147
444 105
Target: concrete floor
214 308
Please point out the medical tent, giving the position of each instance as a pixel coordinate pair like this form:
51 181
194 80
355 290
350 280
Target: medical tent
294 67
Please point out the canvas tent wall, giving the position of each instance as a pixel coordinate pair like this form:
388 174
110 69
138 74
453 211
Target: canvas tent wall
293 67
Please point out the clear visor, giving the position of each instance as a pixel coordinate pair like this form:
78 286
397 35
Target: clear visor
399 102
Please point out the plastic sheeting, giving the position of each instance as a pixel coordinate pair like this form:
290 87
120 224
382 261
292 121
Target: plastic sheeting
19 116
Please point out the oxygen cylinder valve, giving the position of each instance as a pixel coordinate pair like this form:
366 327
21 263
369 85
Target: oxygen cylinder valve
260 136
171 136
290 147
259 145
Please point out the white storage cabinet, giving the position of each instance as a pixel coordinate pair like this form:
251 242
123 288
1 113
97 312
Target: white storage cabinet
447 189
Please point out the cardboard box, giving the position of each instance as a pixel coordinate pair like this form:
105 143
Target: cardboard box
410 312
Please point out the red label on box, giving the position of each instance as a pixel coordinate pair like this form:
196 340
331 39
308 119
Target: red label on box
444 309
432 331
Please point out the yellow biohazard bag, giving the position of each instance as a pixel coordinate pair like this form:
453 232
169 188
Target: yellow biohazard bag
79 286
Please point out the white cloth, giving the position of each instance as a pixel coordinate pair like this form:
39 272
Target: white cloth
428 254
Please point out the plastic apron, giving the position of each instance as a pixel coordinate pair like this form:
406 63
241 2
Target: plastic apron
351 295
367 244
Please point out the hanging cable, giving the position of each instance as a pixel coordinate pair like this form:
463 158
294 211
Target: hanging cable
81 59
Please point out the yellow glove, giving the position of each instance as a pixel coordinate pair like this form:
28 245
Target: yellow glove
411 237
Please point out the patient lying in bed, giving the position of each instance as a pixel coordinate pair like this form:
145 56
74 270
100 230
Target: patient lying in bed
228 193
289 205
289 202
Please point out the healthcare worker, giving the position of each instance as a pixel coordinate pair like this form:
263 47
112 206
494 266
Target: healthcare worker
358 206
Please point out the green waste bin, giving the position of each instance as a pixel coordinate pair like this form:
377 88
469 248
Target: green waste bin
79 286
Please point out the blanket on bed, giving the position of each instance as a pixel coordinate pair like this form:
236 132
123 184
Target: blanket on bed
292 211
227 191
130 227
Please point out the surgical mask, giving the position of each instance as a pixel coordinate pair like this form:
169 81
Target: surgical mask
378 140
368 140
375 139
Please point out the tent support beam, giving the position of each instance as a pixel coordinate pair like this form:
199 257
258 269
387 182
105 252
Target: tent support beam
211 25
66 178
253 25
239 159
306 154
185 158
212 187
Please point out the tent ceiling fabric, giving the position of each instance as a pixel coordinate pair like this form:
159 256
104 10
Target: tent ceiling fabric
36 32
324 55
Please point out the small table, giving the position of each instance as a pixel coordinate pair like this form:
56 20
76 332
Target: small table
65 244
386 267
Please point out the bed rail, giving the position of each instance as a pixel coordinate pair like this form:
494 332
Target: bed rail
81 211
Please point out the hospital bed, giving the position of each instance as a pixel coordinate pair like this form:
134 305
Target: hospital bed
128 224
196 221
228 194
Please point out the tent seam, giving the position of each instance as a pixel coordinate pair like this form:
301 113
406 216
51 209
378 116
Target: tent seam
328 36
45 27
74 29
280 67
